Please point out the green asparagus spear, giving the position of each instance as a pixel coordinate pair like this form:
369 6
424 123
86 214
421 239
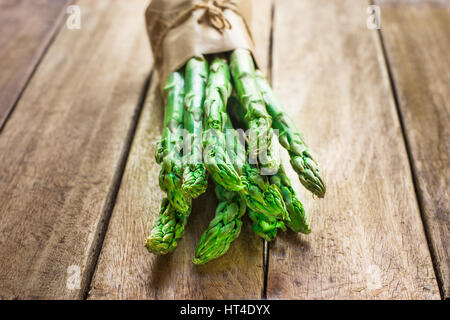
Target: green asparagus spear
264 226
263 197
168 229
258 193
169 149
217 161
195 179
223 229
298 221
256 117
302 161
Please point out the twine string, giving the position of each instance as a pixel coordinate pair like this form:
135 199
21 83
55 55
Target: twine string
213 15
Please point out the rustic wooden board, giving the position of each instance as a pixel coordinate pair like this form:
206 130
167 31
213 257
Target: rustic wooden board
368 240
127 271
26 29
417 41
62 149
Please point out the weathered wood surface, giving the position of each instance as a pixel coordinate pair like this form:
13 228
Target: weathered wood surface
368 240
62 149
417 40
127 271
26 29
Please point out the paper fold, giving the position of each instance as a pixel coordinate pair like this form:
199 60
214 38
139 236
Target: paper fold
173 46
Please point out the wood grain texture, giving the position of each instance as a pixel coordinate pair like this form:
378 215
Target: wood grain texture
417 40
26 29
62 148
127 271
368 240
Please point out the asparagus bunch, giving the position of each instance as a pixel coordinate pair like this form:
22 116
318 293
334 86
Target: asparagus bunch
223 229
196 99
302 160
195 180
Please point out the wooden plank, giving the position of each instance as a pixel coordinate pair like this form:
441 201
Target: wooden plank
26 29
127 271
367 241
417 41
62 149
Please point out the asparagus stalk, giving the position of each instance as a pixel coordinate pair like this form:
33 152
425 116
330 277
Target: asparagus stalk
169 149
223 229
264 223
195 179
297 215
266 226
302 160
259 194
217 161
167 231
256 117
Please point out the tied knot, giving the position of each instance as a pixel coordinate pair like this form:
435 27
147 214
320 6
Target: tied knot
214 13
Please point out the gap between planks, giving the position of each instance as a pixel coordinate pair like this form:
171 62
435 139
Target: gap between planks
46 43
337 262
103 228
413 151
410 161
266 248
65 146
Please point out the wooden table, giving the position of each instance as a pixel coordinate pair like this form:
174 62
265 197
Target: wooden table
80 112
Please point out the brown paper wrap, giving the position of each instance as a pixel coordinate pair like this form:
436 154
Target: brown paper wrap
182 29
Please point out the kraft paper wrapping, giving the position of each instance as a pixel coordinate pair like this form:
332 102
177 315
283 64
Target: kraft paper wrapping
177 31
